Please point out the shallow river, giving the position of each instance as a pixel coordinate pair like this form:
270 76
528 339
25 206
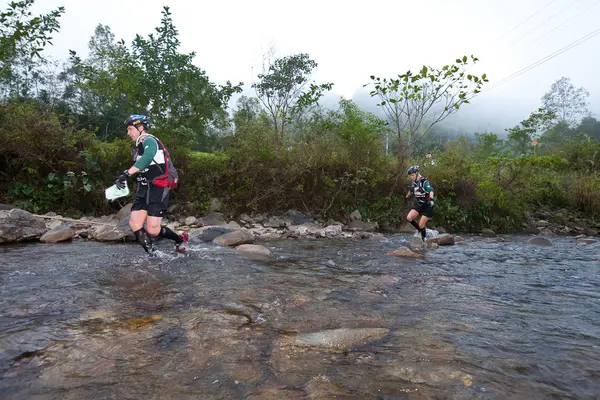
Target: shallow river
322 319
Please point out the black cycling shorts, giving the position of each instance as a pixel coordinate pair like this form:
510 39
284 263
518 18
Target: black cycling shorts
424 209
154 200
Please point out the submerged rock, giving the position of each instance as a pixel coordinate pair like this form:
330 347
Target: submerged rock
342 338
540 241
404 252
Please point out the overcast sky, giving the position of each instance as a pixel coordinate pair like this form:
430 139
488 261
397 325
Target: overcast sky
351 42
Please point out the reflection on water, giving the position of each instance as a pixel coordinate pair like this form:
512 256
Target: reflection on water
322 319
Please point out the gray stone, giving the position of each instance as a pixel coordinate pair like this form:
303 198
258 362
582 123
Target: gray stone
444 239
17 225
214 218
124 212
235 238
254 249
540 241
358 225
208 233
355 215
59 234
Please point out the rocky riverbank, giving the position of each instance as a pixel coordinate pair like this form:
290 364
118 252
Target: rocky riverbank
21 226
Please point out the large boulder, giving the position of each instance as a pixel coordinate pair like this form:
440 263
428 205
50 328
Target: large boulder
209 233
235 238
59 234
444 239
214 218
17 225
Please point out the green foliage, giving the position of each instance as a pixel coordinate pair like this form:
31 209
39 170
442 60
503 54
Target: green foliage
521 137
282 90
420 100
153 77
22 39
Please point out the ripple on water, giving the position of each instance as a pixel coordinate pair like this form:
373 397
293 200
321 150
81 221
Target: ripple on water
480 319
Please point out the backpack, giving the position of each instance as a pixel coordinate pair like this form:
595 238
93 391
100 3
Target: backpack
170 177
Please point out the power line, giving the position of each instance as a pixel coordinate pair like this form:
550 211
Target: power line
565 22
543 60
543 23
527 19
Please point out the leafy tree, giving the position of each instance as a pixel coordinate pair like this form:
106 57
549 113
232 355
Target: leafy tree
418 101
591 127
567 102
22 39
153 77
247 110
488 144
521 136
284 90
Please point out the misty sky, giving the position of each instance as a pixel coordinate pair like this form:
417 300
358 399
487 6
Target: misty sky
384 38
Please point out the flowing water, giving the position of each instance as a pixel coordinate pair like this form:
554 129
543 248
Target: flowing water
322 319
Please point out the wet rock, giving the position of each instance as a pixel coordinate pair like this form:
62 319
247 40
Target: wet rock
488 232
441 229
547 233
416 243
17 225
432 245
6 207
444 239
541 223
214 218
60 234
235 238
208 233
343 338
358 225
586 241
254 249
404 252
540 241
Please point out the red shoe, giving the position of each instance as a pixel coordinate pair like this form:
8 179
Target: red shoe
183 246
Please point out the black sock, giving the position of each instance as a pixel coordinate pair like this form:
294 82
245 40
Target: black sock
414 223
167 233
423 233
144 239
